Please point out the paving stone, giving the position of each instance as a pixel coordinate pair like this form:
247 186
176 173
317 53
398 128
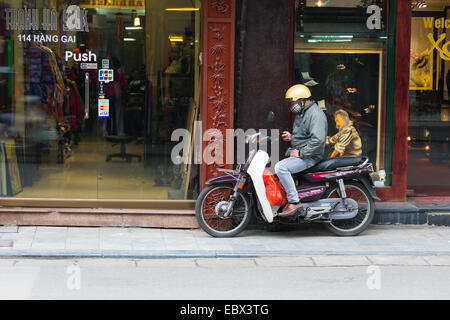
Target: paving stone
27 229
82 245
284 262
438 260
7 262
370 241
105 262
335 261
89 232
33 262
6 243
161 263
115 245
226 262
398 260
148 244
50 234
8 229
48 245
18 236
145 233
22 244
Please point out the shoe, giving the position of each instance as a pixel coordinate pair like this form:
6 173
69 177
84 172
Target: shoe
290 209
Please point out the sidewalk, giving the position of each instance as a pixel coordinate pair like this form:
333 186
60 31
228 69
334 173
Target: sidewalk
308 240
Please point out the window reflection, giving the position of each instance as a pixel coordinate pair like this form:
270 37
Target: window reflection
90 97
429 106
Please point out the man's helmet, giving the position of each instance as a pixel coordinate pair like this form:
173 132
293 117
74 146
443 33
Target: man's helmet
299 91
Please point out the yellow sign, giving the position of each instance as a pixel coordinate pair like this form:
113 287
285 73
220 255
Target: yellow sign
441 23
443 51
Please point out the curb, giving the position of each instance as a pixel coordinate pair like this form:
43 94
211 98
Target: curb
160 254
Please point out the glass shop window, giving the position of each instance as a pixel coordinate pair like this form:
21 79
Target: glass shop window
342 57
90 92
429 103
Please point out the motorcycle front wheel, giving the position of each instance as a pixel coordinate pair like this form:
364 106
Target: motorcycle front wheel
210 217
366 209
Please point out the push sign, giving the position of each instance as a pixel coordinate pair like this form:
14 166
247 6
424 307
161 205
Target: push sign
105 75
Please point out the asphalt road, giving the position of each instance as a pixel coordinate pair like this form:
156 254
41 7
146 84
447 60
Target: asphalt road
282 278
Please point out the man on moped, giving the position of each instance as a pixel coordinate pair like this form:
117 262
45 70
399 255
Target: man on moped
308 139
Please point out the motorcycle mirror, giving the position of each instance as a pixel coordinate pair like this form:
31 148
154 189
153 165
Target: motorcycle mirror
270 117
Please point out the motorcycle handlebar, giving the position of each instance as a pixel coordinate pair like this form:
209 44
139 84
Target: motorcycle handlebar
254 138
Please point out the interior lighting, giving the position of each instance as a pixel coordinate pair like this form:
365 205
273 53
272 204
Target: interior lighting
182 9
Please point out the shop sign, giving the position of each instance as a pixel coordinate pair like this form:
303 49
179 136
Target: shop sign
444 53
105 64
103 108
81 57
439 44
105 75
88 66
46 38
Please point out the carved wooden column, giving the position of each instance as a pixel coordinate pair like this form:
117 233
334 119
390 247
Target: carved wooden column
217 104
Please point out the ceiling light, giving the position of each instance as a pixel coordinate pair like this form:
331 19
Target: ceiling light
420 4
136 19
173 38
319 3
182 9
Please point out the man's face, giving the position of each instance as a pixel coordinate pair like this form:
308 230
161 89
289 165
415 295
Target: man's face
339 121
291 103
295 106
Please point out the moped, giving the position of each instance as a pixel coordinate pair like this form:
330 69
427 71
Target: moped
336 192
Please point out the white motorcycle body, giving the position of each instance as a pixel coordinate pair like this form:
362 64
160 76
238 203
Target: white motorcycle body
256 170
337 208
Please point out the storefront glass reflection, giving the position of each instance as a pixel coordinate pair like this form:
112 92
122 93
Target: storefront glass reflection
343 62
90 92
429 103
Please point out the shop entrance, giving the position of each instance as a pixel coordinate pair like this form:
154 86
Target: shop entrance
429 107
91 93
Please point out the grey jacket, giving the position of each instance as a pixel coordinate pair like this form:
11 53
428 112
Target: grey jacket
309 133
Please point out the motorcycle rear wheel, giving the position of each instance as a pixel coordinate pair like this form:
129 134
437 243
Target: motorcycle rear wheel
366 209
211 222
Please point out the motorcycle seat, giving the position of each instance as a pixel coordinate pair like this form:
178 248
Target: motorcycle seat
334 163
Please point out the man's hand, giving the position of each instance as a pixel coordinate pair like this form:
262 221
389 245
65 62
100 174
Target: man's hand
286 136
294 153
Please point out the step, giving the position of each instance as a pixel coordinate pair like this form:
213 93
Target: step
151 218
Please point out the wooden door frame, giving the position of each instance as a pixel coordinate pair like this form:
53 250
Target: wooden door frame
217 101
